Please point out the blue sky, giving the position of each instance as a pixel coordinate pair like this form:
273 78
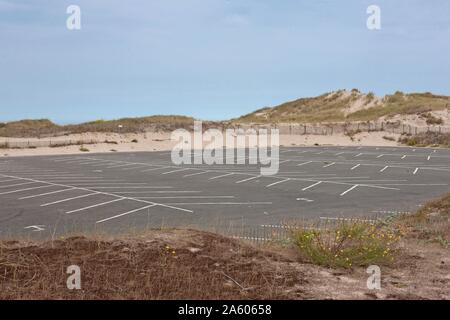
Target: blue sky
212 59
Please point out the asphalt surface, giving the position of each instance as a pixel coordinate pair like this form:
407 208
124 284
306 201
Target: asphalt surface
122 192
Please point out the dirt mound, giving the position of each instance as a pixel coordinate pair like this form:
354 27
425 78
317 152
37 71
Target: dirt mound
160 265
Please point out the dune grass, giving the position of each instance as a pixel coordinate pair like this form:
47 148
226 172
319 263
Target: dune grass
346 245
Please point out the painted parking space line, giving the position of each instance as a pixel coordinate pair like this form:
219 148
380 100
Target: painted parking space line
159 191
354 167
154 169
127 187
416 170
96 205
178 170
222 176
312 186
188 197
329 165
121 165
94 183
304 163
348 190
16 185
382 170
219 203
47 193
27 189
248 179
126 213
196 174
278 182
134 168
70 199
10 180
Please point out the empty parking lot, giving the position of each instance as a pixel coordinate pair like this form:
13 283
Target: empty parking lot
49 195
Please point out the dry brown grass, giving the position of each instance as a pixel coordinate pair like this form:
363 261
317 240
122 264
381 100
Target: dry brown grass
431 223
159 265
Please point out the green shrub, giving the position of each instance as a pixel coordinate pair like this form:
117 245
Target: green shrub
346 245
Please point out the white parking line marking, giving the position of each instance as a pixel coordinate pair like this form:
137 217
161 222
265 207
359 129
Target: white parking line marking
139 192
127 187
382 170
173 171
17 184
133 168
221 176
380 155
10 180
302 164
353 168
45 194
188 197
403 157
248 179
96 205
278 182
195 174
416 170
304 199
126 213
329 165
98 192
15 191
311 186
159 168
121 165
69 199
348 190
219 203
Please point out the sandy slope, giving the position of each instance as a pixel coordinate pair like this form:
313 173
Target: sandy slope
162 141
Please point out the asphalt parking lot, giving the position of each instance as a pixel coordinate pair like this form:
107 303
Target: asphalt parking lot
115 192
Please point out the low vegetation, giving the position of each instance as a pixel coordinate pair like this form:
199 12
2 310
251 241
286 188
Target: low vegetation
336 107
431 223
427 139
401 103
46 128
346 245
389 138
